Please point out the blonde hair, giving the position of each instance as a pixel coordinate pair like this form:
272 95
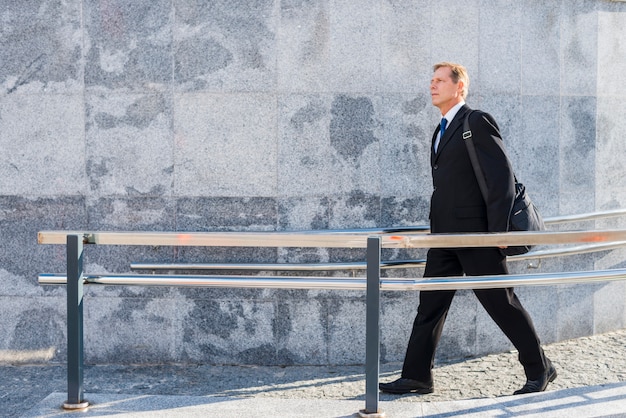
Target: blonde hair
457 72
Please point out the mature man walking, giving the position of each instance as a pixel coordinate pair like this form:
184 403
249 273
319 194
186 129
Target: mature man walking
457 206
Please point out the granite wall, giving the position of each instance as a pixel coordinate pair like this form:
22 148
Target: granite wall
269 115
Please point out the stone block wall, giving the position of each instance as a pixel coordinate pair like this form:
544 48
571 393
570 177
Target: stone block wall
270 115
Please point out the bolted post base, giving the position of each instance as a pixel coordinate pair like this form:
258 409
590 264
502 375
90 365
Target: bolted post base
75 406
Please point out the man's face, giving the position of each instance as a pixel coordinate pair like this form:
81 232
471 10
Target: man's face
444 92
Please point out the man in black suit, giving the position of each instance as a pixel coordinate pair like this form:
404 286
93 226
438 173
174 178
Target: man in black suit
457 206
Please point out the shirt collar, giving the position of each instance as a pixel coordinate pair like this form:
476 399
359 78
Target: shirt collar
452 112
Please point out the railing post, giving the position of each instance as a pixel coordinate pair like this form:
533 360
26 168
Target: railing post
372 329
75 324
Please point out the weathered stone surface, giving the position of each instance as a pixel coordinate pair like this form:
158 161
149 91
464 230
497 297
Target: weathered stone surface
128 45
41 47
288 115
43 145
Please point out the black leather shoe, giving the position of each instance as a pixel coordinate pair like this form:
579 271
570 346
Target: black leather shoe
402 386
540 384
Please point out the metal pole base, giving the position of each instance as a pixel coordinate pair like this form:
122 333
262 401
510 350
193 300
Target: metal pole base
364 414
75 406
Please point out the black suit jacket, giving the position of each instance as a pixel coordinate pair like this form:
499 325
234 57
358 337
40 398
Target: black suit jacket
457 204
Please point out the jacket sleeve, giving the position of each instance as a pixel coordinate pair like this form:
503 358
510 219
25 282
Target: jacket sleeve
496 168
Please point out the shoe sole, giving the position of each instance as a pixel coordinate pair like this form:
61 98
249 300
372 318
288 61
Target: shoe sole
423 391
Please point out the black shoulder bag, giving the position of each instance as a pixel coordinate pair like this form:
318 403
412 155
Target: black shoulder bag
524 215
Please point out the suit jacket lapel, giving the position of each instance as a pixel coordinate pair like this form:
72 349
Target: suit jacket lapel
455 125
433 155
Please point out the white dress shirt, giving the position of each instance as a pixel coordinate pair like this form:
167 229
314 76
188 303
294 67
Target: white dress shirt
449 116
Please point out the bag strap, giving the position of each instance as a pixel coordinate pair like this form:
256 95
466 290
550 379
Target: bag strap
471 150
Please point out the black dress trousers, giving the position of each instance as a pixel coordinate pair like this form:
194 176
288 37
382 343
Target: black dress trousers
501 304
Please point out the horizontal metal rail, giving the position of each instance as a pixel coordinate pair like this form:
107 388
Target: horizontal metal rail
568 251
581 217
318 238
304 240
276 266
393 264
296 239
342 283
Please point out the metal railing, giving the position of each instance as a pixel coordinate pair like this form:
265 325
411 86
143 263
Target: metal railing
373 242
394 264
